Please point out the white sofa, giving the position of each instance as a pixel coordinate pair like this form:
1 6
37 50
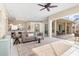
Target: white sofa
53 49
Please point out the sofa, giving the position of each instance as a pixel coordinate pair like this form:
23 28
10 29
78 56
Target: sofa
28 36
57 48
31 36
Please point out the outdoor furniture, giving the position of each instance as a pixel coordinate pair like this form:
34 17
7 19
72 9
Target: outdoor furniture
60 33
76 37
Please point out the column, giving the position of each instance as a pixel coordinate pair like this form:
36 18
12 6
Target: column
55 27
65 27
71 30
3 24
43 28
50 27
75 28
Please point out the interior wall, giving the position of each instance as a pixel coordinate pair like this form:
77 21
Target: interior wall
17 22
32 25
26 24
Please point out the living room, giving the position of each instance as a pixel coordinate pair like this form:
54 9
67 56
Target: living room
27 29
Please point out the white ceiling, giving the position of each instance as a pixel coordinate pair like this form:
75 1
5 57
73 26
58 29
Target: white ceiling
31 11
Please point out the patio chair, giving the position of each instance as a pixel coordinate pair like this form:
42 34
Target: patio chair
76 37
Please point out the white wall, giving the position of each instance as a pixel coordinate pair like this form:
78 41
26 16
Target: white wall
27 23
17 22
32 24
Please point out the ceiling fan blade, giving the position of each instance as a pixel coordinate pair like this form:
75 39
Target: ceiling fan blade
53 6
48 4
48 9
42 9
41 5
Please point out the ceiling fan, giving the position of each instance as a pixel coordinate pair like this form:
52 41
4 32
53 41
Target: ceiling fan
47 6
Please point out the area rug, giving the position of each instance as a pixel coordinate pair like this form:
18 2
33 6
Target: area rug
26 48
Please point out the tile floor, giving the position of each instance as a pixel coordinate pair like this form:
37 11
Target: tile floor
26 48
